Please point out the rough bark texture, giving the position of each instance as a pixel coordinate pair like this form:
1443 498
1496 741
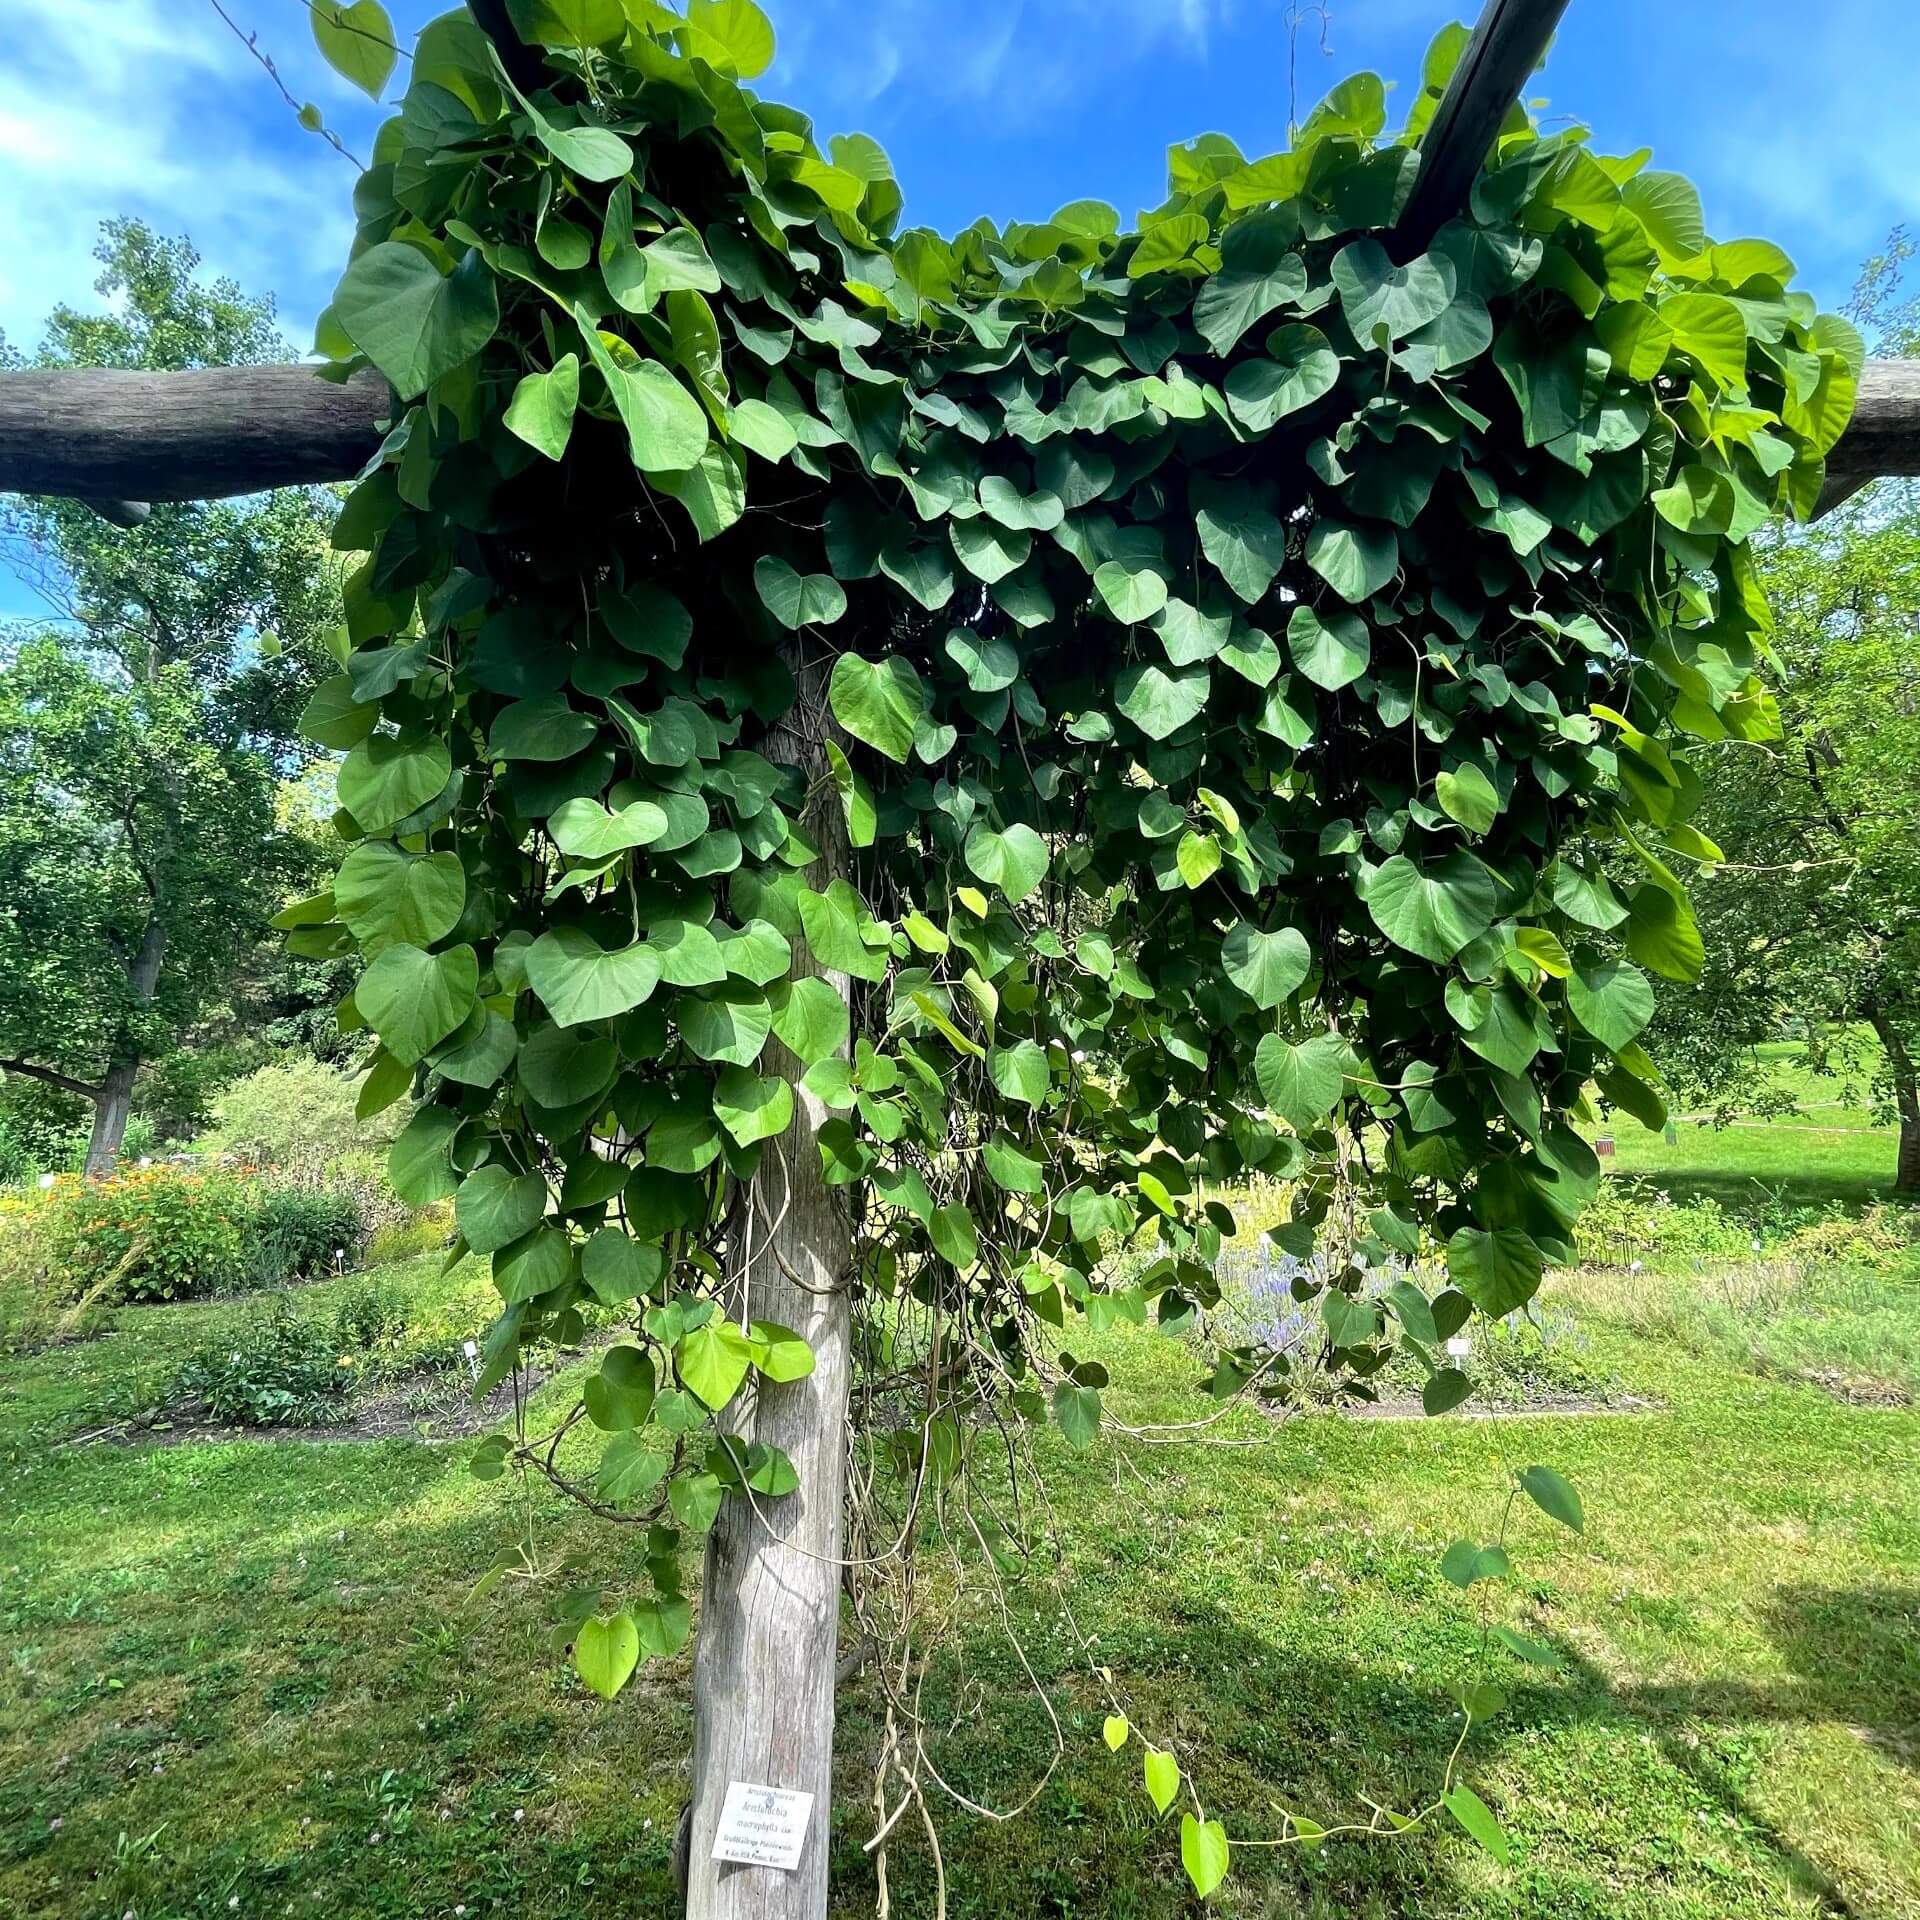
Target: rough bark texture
98 433
114 1101
110 1110
1508 41
1906 1101
1883 436
770 1604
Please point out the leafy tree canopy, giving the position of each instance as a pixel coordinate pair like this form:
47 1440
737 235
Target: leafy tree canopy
1817 914
143 723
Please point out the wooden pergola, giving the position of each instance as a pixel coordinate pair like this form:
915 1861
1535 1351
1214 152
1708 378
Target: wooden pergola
118 440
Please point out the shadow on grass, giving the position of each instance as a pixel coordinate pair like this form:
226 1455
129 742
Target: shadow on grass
1854 1654
338 1677
1263 1730
1745 1193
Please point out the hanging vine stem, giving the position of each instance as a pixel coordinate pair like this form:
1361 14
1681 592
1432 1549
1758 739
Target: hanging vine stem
307 116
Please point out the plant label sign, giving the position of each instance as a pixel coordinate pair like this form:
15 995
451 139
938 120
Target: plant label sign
763 1826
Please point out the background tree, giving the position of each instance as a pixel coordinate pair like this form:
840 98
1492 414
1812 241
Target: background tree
1818 913
145 723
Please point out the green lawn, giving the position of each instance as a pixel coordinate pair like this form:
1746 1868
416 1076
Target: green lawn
246 1677
1827 1149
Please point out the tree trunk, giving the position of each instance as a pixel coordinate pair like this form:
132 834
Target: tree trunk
770 1604
114 1101
110 1109
1906 1101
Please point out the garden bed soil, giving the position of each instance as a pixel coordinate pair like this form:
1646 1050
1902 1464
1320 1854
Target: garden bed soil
395 1411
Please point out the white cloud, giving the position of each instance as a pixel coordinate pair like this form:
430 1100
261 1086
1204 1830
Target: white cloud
1013 61
111 107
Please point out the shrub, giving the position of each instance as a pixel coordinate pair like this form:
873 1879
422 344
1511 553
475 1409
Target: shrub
372 1322
425 1232
1629 1222
296 1114
284 1367
278 1369
148 1233
37 1127
295 1233
181 1232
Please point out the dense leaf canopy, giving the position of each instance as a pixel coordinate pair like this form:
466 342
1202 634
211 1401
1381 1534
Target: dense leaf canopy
1248 650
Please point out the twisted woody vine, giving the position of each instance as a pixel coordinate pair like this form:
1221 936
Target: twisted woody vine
1057 722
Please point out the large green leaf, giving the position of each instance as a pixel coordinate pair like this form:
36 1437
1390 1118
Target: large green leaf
732 35
413 1000
1331 649
713 1361
1259 270
1499 1271
411 320
606 1650
584 829
357 41
1301 368
1020 1072
1385 301
1612 1000
1015 861
1245 543
752 1108
1266 967
1130 597
543 728
578 980
1662 934
1467 795
567 23
1161 700
495 1206
666 426
1300 1083
390 776
384 893
879 702
1433 909
809 1019
729 1024
1356 561
542 408
798 599
1203 1852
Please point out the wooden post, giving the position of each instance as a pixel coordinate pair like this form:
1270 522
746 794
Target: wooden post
1507 43
768 1644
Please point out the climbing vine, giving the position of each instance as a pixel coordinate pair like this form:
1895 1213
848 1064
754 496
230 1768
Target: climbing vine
1101 714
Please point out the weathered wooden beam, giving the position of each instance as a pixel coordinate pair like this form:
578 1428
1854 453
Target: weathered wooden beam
1507 43
113 437
101 434
1883 437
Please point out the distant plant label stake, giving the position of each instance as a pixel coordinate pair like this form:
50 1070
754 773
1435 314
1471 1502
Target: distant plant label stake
763 1826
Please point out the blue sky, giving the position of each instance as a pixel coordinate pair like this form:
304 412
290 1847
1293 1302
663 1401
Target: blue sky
1796 121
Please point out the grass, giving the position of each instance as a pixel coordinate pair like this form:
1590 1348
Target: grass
1828 1148
247 1677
